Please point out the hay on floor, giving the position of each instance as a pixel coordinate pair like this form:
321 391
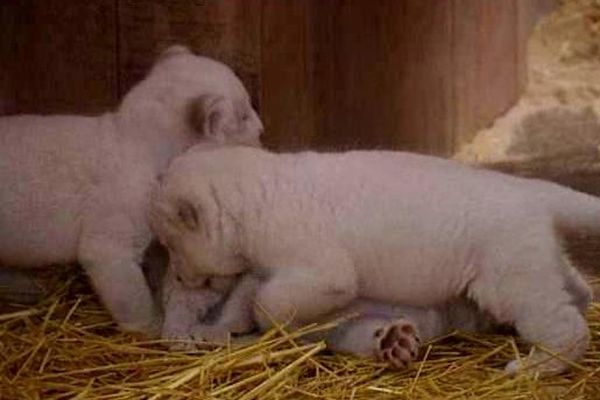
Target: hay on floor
68 348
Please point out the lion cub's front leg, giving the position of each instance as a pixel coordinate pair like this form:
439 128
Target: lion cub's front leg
235 316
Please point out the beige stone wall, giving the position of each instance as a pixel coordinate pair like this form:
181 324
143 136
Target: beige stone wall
559 113
553 131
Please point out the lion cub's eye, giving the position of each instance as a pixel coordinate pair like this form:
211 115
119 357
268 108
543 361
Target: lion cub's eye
221 284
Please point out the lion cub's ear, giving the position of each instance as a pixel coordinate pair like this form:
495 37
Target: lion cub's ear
173 50
187 215
212 117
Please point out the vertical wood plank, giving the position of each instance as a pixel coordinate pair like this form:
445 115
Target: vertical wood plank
358 74
498 74
286 70
384 50
227 30
326 90
488 74
58 56
465 63
8 45
529 13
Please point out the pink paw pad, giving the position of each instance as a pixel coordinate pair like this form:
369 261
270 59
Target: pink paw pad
397 343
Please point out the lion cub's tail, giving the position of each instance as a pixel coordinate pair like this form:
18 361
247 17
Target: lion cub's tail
574 212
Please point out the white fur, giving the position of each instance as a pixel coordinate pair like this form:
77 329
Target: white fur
194 316
77 188
399 228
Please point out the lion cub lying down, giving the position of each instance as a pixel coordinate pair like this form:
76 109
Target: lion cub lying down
390 333
76 188
317 231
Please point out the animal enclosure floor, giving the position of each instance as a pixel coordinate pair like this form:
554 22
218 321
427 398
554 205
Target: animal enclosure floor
68 347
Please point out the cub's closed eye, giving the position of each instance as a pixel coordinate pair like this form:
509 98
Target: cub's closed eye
179 279
221 284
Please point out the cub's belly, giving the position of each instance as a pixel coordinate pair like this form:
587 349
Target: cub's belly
415 284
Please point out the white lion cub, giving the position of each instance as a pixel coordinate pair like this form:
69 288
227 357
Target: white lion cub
78 188
320 230
223 308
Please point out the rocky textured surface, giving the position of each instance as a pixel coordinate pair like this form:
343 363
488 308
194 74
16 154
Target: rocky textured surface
559 113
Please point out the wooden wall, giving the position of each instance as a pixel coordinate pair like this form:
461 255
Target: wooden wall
57 56
422 75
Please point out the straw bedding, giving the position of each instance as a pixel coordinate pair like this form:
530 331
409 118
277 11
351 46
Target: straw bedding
68 347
